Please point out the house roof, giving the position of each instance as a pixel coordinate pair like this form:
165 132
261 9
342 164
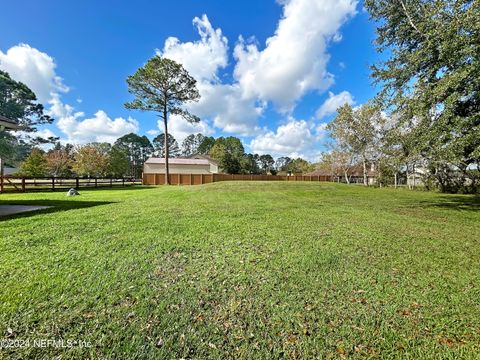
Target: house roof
8 124
356 171
178 161
319 173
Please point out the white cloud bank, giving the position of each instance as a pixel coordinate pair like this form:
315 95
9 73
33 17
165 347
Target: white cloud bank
99 128
37 70
181 128
34 68
292 63
295 59
223 104
333 102
296 138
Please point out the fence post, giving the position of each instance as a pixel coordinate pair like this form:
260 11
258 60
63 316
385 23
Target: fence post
77 183
96 182
203 179
23 184
111 182
53 183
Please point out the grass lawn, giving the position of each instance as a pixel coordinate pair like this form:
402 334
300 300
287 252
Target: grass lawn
243 270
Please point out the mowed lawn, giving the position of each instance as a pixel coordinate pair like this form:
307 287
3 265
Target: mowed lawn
243 270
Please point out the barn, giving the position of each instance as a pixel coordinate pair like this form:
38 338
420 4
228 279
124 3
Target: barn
204 165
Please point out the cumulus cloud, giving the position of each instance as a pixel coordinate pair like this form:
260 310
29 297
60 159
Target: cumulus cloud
222 103
34 68
153 132
294 60
333 102
290 139
99 128
202 58
37 70
181 128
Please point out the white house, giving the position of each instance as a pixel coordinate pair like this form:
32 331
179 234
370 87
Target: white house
156 165
6 124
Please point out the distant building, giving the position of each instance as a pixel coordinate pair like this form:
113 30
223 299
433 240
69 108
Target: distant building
355 175
181 166
9 170
8 124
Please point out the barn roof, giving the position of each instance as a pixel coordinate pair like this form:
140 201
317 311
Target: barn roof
178 161
7 123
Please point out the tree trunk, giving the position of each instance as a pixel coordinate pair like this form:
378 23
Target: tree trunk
408 178
167 171
346 177
1 175
396 181
365 180
414 176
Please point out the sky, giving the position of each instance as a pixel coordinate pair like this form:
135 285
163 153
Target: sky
269 72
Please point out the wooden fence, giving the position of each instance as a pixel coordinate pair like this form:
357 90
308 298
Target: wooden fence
24 184
198 179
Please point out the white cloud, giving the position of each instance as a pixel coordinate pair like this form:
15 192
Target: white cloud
201 58
181 128
34 68
38 71
153 132
100 128
294 60
333 102
289 139
221 103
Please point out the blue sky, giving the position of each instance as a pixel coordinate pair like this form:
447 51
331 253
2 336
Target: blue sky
275 96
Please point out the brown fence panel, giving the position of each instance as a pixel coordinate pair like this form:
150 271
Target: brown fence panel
149 179
208 178
185 179
198 179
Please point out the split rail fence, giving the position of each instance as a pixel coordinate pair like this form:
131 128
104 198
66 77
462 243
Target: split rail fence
198 179
25 184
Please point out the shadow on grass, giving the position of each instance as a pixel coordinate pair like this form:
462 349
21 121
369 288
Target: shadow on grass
55 206
59 189
455 202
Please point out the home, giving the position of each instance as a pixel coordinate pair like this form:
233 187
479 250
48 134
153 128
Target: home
355 174
202 165
6 124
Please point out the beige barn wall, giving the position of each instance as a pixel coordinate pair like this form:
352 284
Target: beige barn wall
214 168
177 169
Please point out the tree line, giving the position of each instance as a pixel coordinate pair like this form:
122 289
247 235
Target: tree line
425 120
126 157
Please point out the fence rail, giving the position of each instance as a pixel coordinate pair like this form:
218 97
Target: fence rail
24 184
198 179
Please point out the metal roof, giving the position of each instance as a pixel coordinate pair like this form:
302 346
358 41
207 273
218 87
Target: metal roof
8 124
155 160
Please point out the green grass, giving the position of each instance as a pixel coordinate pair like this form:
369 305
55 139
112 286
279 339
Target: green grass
243 270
